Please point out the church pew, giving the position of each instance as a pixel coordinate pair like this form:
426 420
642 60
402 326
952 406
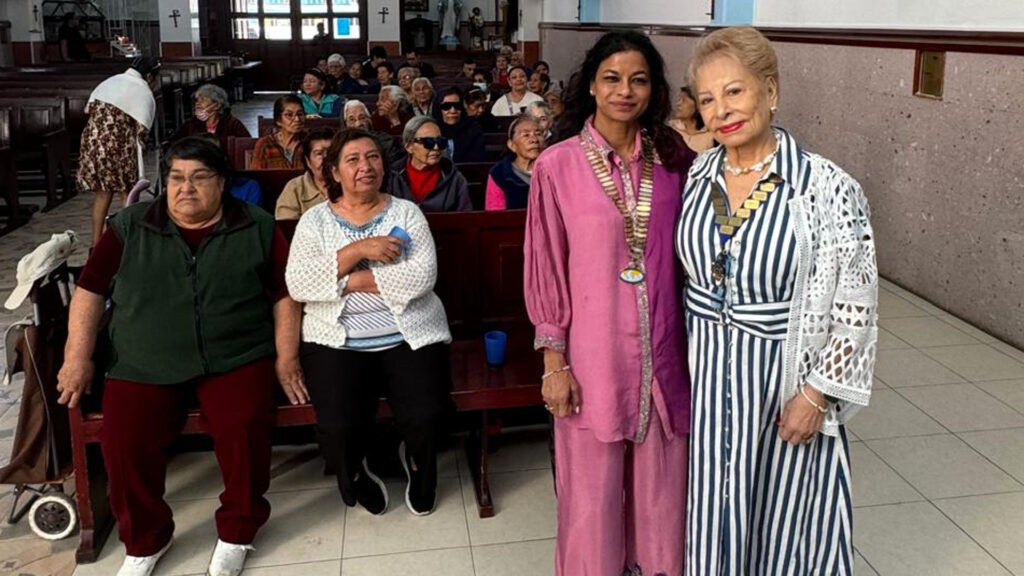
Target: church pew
480 263
240 151
266 127
39 140
12 216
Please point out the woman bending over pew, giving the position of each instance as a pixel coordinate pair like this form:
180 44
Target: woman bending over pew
211 114
282 150
603 289
508 184
121 113
364 264
199 308
304 192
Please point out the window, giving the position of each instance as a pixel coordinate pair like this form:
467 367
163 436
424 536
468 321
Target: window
298 19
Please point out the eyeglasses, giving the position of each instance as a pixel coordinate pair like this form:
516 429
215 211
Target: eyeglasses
438 143
294 115
199 179
451 105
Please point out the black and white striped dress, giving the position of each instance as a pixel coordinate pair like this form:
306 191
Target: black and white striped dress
757 505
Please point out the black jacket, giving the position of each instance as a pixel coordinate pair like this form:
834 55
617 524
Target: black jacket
468 139
450 195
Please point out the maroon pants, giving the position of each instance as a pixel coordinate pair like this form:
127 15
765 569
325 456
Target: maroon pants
141 420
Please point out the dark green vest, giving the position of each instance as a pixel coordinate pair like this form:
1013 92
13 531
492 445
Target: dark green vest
178 316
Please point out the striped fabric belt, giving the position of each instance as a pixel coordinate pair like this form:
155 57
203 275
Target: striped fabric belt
767 320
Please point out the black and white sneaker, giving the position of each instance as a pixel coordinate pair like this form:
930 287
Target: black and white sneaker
420 491
371 493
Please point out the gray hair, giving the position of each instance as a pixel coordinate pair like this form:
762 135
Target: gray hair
353 104
215 94
396 93
413 126
336 58
411 70
423 80
538 105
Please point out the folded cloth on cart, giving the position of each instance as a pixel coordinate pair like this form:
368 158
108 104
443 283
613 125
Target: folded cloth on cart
40 262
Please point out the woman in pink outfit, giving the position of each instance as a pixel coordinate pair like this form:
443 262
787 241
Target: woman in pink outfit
604 291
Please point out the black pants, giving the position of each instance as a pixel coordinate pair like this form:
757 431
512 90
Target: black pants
345 387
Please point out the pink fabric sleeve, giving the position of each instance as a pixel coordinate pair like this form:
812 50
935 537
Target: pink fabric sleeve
546 264
494 198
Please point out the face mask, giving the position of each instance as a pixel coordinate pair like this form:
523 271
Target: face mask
203 114
481 85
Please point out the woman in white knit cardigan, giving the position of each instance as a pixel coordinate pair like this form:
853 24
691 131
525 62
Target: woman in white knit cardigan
365 266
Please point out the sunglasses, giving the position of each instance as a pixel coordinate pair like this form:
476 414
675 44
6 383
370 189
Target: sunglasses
451 105
439 143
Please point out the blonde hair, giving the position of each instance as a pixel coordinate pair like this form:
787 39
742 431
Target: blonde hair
744 43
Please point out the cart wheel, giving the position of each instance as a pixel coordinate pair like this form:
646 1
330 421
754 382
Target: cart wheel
53 516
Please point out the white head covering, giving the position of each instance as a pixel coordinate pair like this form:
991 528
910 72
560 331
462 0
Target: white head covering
131 94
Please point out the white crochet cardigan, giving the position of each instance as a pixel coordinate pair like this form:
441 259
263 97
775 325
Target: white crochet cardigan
406 286
833 321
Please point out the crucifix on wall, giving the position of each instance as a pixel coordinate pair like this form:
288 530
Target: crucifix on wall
174 15
384 15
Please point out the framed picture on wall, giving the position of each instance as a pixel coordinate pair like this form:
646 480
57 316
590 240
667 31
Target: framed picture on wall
417 5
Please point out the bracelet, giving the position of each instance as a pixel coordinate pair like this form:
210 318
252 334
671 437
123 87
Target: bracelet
553 372
820 408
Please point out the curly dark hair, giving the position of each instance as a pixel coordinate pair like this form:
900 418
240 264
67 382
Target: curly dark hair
338 143
580 105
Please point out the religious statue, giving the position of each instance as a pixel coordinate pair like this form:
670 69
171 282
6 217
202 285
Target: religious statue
449 12
476 29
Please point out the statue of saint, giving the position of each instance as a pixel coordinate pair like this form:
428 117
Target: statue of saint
449 11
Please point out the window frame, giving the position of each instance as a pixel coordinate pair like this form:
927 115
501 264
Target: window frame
295 16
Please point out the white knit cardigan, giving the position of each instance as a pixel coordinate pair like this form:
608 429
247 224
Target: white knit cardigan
406 286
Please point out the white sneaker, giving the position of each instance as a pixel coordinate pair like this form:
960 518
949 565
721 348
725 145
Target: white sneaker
228 559
141 565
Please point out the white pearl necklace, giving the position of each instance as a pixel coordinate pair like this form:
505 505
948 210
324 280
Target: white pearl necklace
756 167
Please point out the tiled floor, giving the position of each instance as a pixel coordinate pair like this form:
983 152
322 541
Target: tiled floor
938 463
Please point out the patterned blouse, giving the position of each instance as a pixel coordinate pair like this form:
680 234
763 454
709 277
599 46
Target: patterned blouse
268 154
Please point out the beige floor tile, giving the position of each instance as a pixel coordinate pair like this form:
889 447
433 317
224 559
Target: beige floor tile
967 328
536 558
963 407
943 467
978 363
890 416
449 562
298 468
1011 351
29 554
328 568
1009 391
996 522
927 331
398 531
524 508
195 535
910 367
193 476
888 341
892 306
304 526
917 301
520 454
915 539
861 566
874 482
1003 447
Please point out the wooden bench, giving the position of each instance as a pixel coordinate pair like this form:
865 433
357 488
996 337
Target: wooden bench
240 151
480 262
266 126
12 216
39 140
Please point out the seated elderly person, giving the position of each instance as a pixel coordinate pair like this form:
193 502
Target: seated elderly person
540 112
423 101
335 73
518 98
508 184
465 137
353 82
406 74
282 150
357 115
316 102
477 107
385 76
539 83
371 314
211 114
199 306
303 192
428 178
553 98
391 114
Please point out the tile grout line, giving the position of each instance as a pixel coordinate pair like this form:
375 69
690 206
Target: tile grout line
968 534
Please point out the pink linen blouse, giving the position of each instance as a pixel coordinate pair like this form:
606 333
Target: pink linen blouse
575 248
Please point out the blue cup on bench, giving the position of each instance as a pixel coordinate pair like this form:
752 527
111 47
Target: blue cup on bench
494 345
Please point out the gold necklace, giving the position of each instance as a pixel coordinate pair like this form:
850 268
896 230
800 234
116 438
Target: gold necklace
635 222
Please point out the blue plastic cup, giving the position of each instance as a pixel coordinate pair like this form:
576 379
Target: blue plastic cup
402 235
494 345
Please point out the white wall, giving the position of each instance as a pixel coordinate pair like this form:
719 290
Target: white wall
19 12
389 31
531 11
559 11
676 12
993 15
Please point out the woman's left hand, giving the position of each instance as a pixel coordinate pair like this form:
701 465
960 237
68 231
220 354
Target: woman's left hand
800 421
289 374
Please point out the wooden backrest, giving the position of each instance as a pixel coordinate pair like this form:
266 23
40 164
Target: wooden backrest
267 126
271 183
240 151
476 176
75 100
31 118
480 269
5 127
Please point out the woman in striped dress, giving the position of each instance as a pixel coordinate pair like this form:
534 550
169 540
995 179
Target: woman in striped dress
781 314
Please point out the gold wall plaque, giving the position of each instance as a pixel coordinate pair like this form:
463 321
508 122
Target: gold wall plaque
930 74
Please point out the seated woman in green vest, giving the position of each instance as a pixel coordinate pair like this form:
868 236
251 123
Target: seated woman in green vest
199 306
